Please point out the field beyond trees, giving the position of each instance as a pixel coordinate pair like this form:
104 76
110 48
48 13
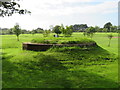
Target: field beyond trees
66 67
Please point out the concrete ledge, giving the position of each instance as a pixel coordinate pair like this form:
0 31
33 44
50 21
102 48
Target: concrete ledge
44 47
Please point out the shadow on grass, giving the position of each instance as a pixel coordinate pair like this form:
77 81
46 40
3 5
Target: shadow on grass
4 56
88 49
44 63
49 72
85 55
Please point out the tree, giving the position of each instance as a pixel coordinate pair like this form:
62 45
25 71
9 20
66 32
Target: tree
66 31
39 30
9 7
90 31
100 30
104 29
56 29
46 33
17 31
69 31
114 29
51 27
10 31
62 29
97 28
110 37
24 31
71 27
79 27
32 32
108 26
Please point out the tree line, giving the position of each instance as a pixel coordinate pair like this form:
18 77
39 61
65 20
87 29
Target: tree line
67 30
7 31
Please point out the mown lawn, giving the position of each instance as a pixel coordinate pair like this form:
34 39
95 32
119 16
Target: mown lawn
67 67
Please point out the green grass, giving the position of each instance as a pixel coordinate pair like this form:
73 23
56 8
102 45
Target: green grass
62 40
66 67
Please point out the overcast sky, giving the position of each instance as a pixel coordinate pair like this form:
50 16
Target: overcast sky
67 12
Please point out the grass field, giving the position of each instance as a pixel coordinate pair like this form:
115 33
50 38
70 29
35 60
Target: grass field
67 67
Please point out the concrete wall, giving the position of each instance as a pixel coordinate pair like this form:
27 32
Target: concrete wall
44 47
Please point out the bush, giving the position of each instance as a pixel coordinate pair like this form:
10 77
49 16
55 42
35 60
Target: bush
56 29
90 32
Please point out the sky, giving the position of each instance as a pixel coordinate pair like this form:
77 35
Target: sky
45 13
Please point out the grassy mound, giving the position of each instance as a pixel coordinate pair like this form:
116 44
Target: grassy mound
66 67
62 40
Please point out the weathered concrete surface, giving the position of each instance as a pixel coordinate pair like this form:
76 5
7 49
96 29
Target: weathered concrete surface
44 47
